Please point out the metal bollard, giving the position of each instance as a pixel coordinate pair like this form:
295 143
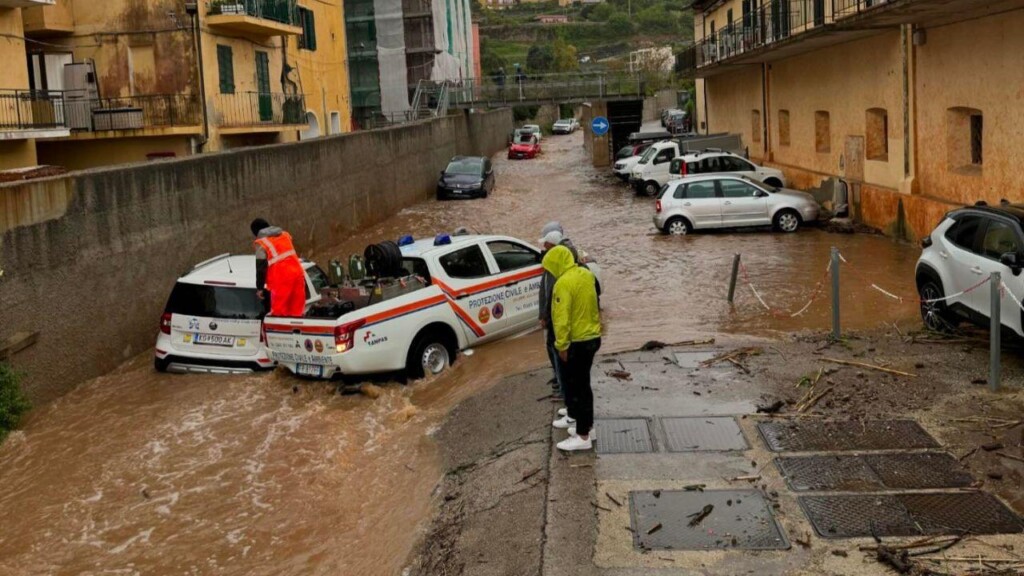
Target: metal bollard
836 333
732 280
995 337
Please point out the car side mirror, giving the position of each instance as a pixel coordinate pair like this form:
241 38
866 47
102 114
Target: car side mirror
1012 261
761 194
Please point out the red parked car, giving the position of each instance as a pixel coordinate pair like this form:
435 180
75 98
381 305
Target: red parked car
524 146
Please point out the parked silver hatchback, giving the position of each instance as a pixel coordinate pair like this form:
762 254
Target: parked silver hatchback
725 201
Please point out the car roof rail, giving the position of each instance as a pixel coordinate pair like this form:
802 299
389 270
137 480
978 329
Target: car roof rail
211 261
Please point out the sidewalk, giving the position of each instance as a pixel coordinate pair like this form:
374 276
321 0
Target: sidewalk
672 432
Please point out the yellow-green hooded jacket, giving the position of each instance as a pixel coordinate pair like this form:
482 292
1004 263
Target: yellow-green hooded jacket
574 313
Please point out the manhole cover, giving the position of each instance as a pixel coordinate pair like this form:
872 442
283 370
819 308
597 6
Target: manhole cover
919 470
871 472
852 516
839 435
703 434
622 436
693 359
738 519
828 473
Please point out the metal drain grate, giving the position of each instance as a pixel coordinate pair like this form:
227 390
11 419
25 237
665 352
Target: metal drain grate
870 472
703 434
622 436
813 436
739 519
852 516
920 470
829 473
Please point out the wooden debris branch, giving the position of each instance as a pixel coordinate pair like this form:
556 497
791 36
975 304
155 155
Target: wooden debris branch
698 517
613 499
870 367
810 402
732 356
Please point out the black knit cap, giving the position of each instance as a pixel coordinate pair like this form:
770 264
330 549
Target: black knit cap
257 225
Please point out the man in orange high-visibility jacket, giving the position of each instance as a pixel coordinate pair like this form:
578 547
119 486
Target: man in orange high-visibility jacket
278 269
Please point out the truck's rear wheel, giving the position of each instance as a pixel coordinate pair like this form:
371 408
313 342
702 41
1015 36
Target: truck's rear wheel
430 355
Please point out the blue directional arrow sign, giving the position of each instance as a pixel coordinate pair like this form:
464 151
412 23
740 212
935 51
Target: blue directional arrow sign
600 126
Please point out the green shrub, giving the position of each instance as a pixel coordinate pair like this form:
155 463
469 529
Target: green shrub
13 403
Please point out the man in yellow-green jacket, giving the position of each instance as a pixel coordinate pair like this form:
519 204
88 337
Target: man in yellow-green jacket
576 321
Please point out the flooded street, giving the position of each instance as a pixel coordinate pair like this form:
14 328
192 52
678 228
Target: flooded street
145 473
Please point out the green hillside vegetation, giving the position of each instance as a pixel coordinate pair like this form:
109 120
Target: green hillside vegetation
605 32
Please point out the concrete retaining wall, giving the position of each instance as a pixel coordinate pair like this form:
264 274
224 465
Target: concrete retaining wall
88 258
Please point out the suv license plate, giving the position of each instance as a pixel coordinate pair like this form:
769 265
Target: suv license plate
309 370
214 340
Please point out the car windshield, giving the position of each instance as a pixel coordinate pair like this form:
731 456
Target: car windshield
215 302
531 128
760 184
648 155
625 152
465 166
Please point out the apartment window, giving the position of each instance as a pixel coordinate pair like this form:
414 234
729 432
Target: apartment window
308 23
878 134
226 66
822 132
755 125
965 138
783 127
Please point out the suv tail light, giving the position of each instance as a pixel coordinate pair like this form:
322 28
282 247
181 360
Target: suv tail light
657 206
165 323
345 335
263 333
682 168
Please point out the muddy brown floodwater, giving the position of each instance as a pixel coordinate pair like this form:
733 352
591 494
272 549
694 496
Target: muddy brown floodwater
144 473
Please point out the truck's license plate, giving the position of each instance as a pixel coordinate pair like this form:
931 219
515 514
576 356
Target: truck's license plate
309 370
214 340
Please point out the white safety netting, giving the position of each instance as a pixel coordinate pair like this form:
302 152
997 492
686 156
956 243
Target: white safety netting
394 90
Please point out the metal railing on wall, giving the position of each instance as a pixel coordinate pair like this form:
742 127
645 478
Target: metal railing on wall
553 88
261 108
32 110
283 11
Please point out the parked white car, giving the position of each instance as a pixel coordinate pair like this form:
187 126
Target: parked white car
213 319
564 126
533 129
654 169
963 250
728 201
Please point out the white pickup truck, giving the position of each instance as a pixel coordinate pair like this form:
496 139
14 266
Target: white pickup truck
476 288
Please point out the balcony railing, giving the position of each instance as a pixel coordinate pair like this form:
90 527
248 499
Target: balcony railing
282 11
844 8
32 110
140 112
253 109
776 21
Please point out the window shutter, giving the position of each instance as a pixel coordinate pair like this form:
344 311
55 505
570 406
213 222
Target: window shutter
226 68
308 21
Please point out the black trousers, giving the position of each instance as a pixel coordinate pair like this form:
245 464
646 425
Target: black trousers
579 397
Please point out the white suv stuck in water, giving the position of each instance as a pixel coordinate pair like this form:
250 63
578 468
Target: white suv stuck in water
213 320
960 254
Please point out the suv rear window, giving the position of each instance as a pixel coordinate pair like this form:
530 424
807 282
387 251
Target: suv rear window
215 302
965 230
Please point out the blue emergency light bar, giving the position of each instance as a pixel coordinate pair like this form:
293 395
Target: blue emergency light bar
405 240
442 240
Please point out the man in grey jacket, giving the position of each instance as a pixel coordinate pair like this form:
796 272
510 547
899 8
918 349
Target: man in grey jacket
553 235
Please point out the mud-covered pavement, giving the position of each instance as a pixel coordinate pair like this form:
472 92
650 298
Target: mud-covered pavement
138 472
570 515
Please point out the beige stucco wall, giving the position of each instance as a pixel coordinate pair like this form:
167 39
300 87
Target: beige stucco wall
845 80
730 100
13 75
977 64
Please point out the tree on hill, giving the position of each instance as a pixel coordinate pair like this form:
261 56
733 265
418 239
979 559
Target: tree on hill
620 25
565 59
540 58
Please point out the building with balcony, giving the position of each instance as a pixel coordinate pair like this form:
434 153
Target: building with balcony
915 103
25 115
394 45
163 78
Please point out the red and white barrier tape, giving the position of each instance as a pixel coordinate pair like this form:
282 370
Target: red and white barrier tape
1006 289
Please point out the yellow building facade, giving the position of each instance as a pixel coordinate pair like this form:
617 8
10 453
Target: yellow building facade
916 104
23 118
168 78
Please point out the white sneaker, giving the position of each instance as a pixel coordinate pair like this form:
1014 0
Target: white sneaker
563 422
573 443
563 411
572 431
